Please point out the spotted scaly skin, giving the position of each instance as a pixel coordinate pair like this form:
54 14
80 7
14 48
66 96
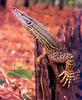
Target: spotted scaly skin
55 50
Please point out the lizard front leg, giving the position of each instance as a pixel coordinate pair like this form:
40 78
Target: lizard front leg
41 56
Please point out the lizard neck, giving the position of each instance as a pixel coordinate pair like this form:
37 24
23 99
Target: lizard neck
43 36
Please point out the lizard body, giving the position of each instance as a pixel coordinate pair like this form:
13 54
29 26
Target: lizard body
55 51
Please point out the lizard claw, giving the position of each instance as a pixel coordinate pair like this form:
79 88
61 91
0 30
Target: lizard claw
68 77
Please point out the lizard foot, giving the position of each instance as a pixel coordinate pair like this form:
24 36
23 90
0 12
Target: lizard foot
41 56
68 77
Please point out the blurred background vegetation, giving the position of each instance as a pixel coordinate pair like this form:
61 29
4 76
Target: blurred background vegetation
60 3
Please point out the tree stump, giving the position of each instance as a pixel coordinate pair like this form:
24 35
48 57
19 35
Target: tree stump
47 82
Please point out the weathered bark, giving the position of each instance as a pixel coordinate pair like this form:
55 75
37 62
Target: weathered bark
42 85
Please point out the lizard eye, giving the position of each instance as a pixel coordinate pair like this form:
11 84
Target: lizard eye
29 22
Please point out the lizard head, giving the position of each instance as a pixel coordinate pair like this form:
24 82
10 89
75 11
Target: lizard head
22 17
